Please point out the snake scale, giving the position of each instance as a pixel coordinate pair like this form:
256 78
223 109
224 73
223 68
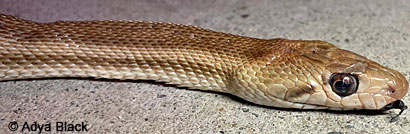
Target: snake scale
300 74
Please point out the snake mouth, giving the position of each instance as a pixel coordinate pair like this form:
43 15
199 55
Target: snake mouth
396 105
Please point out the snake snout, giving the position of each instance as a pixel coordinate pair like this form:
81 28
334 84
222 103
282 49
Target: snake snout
398 87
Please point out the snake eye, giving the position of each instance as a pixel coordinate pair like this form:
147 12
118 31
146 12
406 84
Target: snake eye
344 84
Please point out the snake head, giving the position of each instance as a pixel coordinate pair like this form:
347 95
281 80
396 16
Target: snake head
351 81
317 75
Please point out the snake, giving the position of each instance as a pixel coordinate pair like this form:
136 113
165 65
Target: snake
282 73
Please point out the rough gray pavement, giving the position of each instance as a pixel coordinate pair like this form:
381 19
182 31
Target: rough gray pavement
377 29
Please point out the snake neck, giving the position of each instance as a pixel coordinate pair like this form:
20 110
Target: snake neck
186 56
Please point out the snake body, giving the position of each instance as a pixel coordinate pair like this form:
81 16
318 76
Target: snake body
275 72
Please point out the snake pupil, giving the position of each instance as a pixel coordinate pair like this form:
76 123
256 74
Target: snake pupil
343 84
342 87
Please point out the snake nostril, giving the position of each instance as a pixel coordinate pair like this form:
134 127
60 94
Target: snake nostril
392 90
392 86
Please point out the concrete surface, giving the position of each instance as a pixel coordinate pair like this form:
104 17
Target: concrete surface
377 29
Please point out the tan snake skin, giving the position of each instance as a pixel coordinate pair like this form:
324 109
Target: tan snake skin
276 72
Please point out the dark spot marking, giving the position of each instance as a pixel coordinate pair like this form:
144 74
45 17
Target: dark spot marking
255 114
245 15
245 110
